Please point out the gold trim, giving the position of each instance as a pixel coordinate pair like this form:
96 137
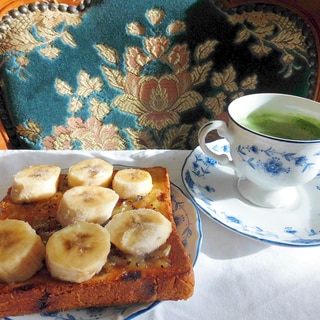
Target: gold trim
7 5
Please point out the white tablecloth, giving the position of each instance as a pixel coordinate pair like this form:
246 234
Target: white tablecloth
236 277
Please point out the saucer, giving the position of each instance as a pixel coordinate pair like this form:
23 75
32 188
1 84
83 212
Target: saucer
214 189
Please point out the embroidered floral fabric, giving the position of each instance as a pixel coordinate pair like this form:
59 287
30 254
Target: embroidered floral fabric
142 74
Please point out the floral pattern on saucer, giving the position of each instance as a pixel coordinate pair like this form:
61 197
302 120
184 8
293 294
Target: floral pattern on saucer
213 189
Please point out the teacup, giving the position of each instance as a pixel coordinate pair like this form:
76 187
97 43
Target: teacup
271 165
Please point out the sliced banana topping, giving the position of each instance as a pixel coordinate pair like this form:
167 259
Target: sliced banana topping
86 203
77 252
21 251
140 231
90 172
131 183
35 183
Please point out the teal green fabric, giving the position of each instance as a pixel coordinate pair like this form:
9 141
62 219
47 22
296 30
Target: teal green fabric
212 47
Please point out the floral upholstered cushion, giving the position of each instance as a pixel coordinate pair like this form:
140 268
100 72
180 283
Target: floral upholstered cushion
139 74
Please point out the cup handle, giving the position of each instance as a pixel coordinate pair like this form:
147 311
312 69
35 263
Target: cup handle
222 131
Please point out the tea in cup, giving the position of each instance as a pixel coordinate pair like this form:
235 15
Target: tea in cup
274 146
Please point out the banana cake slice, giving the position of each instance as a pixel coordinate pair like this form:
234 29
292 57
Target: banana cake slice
126 277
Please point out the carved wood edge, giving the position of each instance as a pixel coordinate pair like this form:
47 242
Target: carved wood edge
4 140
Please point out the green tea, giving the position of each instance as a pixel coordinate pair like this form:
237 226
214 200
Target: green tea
283 125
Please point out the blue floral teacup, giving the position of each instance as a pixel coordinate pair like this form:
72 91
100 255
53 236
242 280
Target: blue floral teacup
271 159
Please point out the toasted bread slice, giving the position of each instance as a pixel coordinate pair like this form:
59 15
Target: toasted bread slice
165 274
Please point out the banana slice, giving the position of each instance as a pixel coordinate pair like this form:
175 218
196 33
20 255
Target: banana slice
90 172
21 251
35 183
140 231
77 252
86 203
131 183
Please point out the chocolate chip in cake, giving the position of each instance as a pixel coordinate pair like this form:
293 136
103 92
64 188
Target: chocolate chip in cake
25 287
43 301
131 275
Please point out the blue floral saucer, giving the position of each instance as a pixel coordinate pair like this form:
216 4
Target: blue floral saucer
213 189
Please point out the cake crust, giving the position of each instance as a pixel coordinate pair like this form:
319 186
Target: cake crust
165 274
